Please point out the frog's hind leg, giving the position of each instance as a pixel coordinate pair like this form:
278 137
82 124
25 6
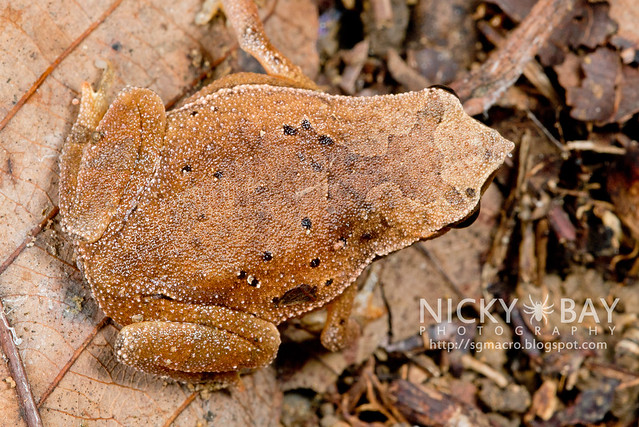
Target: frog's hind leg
108 157
250 33
198 343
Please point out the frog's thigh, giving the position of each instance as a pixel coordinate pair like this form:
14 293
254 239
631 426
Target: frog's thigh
232 341
98 167
340 330
250 34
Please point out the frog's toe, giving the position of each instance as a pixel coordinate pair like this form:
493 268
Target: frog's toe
340 330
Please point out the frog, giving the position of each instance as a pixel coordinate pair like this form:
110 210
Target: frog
259 199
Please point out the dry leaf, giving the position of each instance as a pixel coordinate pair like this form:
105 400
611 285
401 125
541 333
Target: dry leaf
149 44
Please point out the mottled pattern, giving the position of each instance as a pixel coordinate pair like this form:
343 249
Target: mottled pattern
203 228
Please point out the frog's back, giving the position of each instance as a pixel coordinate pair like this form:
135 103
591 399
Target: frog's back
272 200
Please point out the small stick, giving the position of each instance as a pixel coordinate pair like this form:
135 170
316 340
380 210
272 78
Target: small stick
180 409
72 360
469 362
479 89
16 367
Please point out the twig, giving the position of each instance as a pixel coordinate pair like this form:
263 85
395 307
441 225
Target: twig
180 409
55 64
533 71
546 132
469 362
102 323
597 148
480 88
30 236
23 389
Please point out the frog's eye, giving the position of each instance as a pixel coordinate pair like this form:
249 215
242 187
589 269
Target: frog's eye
446 88
466 222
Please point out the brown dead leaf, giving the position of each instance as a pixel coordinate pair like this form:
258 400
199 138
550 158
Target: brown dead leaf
594 99
609 90
628 92
150 45
423 404
591 405
587 25
626 14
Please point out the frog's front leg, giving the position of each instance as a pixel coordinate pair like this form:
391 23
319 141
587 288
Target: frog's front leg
252 39
108 157
340 329
194 343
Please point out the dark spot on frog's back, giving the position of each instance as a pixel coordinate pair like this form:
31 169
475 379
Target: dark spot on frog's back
306 223
306 125
326 140
298 295
289 130
470 192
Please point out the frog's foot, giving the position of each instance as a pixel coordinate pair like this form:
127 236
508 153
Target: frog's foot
107 152
339 329
213 380
211 343
250 34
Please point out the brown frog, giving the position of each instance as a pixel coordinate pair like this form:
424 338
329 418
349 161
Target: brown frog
202 228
